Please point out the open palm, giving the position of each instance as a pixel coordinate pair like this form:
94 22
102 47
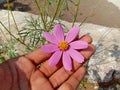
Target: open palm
27 73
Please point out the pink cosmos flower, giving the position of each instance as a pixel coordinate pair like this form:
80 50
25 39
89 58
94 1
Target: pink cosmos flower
64 47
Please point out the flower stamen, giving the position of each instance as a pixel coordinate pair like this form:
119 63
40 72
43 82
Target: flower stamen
63 45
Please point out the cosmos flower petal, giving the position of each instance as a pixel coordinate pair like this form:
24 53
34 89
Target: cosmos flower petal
51 38
72 34
49 48
79 44
59 32
67 63
54 59
67 51
77 56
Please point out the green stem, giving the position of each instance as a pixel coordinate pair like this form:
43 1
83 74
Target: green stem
9 8
76 12
44 10
83 21
40 12
56 12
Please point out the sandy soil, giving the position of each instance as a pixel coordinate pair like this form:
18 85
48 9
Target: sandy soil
99 12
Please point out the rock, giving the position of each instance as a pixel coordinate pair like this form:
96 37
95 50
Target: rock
104 65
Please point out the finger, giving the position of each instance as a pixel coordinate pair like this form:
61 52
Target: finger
48 70
87 53
37 56
86 38
39 82
74 80
63 74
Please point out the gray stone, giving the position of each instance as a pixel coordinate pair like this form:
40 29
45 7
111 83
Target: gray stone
104 65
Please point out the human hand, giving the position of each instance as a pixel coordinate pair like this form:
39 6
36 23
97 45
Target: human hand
23 73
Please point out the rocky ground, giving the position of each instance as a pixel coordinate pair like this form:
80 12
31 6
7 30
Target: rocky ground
98 12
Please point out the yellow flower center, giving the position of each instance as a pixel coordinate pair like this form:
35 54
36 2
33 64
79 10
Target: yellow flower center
63 45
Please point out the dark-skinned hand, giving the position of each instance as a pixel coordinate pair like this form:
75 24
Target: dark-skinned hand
23 72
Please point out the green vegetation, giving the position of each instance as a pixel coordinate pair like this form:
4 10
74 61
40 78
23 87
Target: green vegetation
30 37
